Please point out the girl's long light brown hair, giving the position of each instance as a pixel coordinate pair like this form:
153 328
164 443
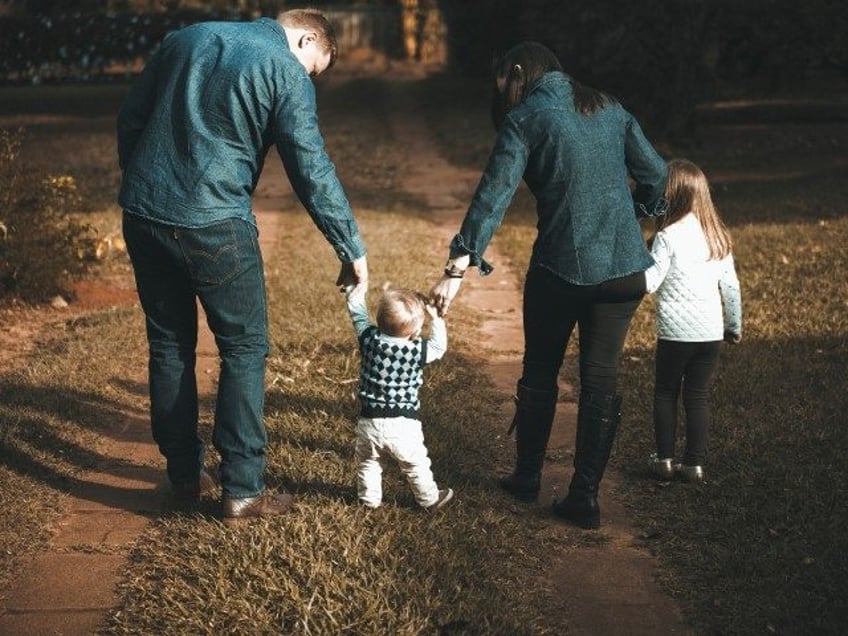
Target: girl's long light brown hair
688 191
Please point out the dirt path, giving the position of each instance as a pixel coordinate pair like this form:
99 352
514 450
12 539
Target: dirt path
605 589
70 588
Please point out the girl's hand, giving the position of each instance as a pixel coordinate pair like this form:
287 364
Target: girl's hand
732 338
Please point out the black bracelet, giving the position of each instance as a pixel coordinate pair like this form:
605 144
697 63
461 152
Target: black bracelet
454 272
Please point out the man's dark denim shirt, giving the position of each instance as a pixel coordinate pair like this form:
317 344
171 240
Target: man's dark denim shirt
577 167
196 126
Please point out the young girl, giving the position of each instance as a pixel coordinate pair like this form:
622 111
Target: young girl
698 305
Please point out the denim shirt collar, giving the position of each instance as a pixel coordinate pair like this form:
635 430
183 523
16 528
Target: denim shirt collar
551 77
276 27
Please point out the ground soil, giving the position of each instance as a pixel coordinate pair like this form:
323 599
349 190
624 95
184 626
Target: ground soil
605 587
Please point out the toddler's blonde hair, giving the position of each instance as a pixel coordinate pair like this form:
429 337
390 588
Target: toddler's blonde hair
688 191
400 312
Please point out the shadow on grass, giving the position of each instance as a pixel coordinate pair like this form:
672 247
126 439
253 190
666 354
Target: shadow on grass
776 494
45 434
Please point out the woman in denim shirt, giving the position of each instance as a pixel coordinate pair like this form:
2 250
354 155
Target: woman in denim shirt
577 150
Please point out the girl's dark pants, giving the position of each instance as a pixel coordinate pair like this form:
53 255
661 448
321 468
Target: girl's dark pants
688 366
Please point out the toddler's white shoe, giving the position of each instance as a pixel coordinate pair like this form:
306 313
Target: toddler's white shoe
444 497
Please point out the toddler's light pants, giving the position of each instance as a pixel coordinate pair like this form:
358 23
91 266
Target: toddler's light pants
401 438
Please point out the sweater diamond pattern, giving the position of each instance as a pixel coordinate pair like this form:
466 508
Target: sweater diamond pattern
391 373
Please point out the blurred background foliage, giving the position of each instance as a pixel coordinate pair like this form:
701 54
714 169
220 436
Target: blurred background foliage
42 245
660 57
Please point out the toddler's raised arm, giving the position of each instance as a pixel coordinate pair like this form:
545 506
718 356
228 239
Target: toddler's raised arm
358 310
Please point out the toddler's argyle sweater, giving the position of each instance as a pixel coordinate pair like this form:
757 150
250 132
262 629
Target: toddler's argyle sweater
391 374
392 369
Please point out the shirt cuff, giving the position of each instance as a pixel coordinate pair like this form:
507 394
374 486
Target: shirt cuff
458 248
351 249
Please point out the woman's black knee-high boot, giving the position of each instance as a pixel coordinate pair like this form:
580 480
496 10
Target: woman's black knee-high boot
597 423
534 416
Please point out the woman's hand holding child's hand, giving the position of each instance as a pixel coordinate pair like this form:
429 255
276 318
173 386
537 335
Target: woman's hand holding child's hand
443 293
431 310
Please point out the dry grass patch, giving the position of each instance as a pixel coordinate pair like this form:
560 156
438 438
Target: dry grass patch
53 412
760 547
333 567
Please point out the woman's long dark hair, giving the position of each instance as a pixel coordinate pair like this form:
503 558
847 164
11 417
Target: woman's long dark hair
518 69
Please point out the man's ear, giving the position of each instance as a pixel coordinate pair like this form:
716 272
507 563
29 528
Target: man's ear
306 39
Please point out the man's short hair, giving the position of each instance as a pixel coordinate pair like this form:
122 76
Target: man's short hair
313 20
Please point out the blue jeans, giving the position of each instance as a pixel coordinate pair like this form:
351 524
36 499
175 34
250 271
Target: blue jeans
221 266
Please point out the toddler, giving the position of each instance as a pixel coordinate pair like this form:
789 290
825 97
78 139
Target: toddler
391 373
698 305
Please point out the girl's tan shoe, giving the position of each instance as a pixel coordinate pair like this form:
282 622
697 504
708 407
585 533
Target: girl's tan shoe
662 468
692 474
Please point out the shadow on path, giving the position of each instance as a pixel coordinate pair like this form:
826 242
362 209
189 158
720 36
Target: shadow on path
71 587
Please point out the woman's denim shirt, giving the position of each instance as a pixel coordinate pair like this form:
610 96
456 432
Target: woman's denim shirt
195 128
577 167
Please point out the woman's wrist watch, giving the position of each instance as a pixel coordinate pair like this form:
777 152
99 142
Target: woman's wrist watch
452 271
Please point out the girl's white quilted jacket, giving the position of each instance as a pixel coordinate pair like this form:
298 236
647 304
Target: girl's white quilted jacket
698 299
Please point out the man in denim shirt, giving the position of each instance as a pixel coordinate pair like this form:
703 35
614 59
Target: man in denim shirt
577 150
193 134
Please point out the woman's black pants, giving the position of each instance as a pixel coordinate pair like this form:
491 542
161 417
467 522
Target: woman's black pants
602 314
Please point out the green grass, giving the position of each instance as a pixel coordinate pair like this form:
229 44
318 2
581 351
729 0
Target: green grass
760 548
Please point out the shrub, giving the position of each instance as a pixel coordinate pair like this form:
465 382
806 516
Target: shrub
42 247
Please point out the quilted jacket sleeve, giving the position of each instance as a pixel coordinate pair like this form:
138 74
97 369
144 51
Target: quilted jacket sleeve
731 296
661 253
